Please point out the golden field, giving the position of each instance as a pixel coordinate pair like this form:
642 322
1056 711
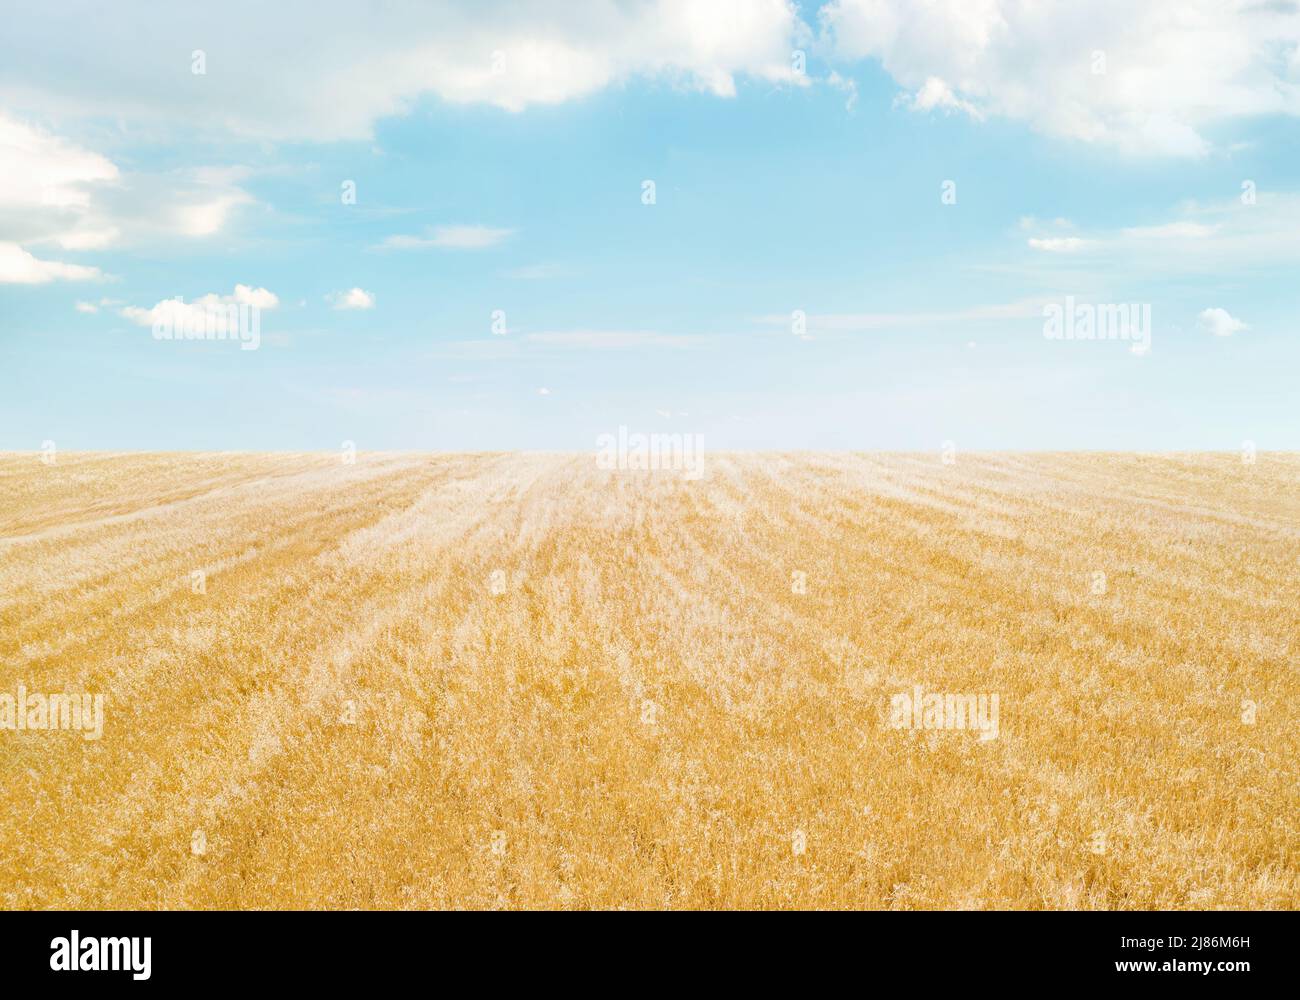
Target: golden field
512 680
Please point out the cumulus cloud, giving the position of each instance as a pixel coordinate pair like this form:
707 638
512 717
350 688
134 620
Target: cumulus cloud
211 308
1220 323
353 298
451 238
39 168
348 70
54 192
18 267
47 185
934 93
1145 78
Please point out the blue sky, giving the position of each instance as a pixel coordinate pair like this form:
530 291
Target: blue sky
499 154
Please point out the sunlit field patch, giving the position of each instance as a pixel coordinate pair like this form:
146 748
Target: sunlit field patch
506 680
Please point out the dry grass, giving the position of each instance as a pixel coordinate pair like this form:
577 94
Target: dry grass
647 714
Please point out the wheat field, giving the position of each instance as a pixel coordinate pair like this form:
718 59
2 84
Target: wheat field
514 680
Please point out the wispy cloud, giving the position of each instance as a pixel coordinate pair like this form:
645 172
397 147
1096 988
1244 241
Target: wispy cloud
18 267
1199 236
611 340
1171 231
450 238
845 85
868 321
1059 244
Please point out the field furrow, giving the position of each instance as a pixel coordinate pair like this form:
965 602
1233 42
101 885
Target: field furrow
514 680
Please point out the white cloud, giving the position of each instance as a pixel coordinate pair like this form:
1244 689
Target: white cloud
1030 223
87 307
204 218
451 238
1171 231
543 391
866 322
260 297
47 185
934 93
54 192
847 86
1198 237
88 239
180 314
345 70
354 298
38 168
1059 244
1171 67
18 267
1220 323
